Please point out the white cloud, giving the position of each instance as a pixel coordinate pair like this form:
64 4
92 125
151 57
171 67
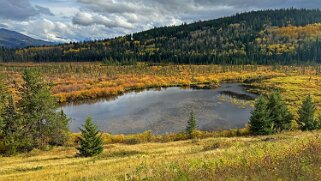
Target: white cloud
87 19
20 10
72 20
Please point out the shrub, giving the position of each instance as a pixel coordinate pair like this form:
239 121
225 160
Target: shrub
133 141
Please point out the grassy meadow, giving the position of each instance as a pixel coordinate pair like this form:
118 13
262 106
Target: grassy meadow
219 155
286 156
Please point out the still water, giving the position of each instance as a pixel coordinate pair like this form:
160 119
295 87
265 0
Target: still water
164 110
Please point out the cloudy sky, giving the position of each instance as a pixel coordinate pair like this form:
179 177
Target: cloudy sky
77 20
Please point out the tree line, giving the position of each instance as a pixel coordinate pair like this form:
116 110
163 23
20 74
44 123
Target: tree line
246 38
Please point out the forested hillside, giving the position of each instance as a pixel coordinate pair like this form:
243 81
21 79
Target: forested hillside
284 36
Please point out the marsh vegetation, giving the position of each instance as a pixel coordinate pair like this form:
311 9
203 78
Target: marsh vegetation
188 154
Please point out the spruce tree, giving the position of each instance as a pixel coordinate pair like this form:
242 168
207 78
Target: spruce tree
60 132
91 142
13 138
3 101
318 123
38 109
260 122
279 113
191 125
306 114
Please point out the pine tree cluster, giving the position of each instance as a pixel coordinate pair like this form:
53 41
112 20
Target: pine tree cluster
271 115
32 122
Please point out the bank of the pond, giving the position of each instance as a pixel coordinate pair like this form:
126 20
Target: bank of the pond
96 87
149 137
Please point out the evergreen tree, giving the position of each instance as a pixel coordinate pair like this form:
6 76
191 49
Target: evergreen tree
38 108
278 112
306 114
318 123
238 132
91 142
191 124
59 133
13 139
260 122
3 93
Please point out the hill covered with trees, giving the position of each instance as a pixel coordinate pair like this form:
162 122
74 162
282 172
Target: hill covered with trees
284 36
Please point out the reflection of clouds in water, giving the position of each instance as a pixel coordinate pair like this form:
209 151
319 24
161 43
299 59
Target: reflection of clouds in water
161 111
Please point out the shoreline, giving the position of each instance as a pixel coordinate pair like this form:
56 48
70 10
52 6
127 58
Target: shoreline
148 137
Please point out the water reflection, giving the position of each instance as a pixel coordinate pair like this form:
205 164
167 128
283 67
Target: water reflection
163 110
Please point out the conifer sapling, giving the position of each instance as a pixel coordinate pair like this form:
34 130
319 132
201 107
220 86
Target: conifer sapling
91 142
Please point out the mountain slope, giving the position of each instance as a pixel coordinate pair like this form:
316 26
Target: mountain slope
12 39
283 36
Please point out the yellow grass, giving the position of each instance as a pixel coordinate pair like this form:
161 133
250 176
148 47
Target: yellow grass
287 156
294 89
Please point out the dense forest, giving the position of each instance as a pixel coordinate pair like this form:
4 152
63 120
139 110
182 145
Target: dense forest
284 36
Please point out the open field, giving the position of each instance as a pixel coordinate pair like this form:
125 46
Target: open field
287 156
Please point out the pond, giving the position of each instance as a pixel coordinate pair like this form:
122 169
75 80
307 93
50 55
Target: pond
165 110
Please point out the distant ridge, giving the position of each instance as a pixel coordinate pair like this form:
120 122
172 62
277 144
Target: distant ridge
281 36
12 39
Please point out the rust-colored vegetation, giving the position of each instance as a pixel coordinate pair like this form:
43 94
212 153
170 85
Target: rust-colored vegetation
79 81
